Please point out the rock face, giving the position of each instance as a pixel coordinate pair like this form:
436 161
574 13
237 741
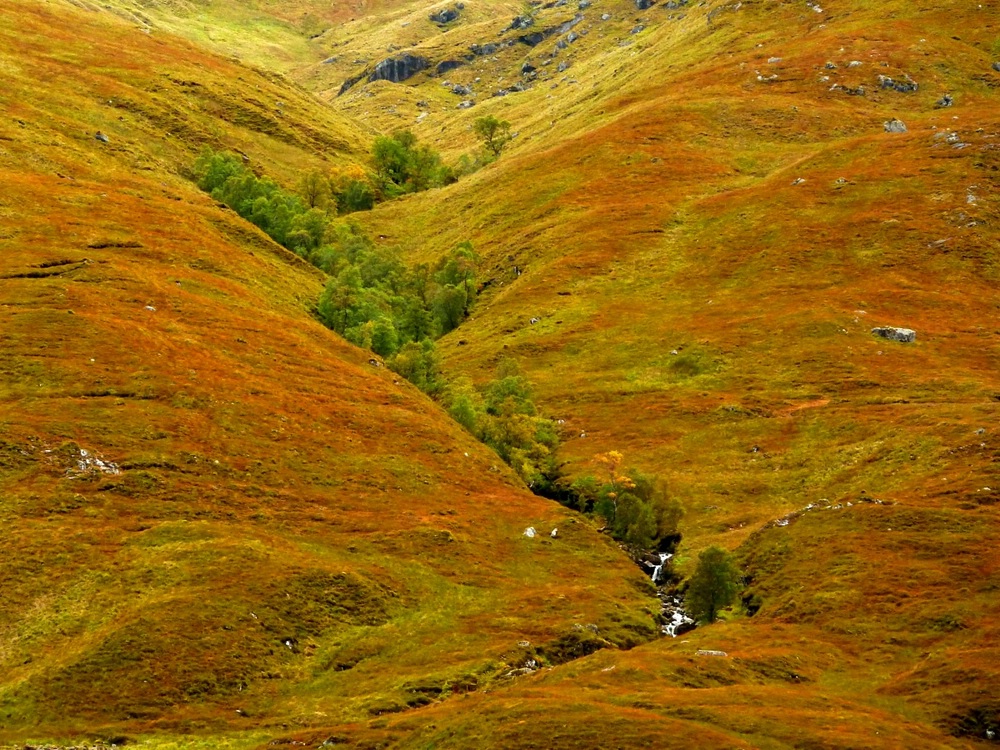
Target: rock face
902 335
894 126
446 65
400 68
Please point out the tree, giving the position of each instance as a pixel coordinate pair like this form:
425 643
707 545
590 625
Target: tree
713 585
494 133
314 189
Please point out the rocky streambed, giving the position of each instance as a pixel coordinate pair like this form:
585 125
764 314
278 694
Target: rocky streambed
675 620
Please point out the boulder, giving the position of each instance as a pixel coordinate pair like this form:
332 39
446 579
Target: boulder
484 49
101 137
996 66
643 4
944 101
461 90
894 126
520 22
902 335
445 15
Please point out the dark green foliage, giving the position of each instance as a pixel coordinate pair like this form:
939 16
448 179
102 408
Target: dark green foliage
285 217
375 301
401 166
713 586
502 414
354 195
635 506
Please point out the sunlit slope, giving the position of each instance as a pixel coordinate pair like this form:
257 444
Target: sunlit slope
688 256
216 514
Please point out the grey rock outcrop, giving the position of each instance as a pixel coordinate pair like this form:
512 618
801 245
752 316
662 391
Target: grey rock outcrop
446 65
944 101
445 15
482 50
902 335
996 66
643 4
397 69
519 23
907 86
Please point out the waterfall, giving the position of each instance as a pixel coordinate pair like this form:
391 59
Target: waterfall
657 568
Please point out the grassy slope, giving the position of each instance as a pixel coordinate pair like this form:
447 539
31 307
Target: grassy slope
649 202
280 534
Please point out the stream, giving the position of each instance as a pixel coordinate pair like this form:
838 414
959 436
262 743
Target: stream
676 620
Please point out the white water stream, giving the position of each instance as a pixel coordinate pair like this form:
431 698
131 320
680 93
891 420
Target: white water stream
675 618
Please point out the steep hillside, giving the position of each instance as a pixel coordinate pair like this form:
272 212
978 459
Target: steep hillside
217 515
691 239
221 519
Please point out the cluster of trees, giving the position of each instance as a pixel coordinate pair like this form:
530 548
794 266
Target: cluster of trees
375 301
372 298
502 414
639 513
398 165
636 507
284 216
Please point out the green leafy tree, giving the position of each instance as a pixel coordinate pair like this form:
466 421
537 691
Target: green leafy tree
418 363
314 188
449 307
213 168
713 586
385 339
493 132
355 195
